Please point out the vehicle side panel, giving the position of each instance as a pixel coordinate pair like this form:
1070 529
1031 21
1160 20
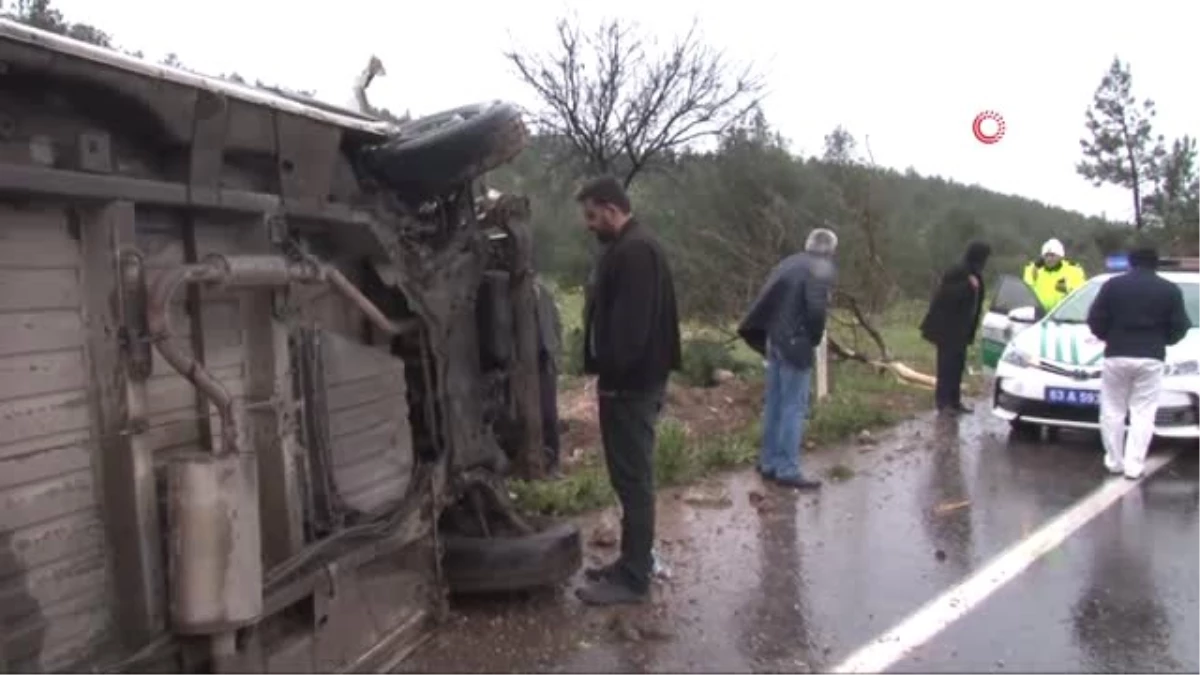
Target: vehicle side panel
54 594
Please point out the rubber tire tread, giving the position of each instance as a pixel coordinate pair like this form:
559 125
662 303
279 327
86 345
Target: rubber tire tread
433 163
489 565
1025 430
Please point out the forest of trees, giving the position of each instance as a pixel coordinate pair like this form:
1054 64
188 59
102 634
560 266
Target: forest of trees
616 103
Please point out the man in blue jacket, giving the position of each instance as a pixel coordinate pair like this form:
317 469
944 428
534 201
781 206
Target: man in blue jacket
785 324
1138 315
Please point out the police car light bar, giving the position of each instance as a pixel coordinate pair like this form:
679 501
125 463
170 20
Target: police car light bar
1116 263
1119 262
1180 264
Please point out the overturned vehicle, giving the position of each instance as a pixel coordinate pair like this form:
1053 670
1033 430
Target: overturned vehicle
266 363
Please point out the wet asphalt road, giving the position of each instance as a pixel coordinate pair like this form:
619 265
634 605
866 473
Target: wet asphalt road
779 582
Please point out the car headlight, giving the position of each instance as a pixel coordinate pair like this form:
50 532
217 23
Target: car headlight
1018 358
1183 368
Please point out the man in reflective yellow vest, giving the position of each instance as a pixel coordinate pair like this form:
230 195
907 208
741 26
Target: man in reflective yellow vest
1052 277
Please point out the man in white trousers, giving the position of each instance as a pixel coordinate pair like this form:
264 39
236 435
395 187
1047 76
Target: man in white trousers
1138 315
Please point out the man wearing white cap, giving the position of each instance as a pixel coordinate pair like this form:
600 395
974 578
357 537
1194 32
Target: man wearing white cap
1052 277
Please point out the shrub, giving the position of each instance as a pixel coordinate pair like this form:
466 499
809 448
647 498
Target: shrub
572 352
703 357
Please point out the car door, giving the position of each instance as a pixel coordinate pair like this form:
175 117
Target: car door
999 325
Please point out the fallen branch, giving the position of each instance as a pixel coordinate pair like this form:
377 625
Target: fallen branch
904 373
860 317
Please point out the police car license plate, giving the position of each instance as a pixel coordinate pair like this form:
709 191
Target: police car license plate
1078 397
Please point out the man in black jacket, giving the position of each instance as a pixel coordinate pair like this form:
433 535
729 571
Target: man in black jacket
785 324
951 323
1138 315
631 343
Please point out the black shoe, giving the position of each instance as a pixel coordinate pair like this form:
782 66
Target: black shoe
798 483
962 409
608 592
765 473
594 574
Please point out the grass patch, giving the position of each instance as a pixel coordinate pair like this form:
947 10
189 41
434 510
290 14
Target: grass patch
678 460
860 402
860 398
703 357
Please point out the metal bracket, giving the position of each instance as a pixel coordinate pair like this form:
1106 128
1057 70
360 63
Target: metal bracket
276 226
134 332
323 594
95 152
331 573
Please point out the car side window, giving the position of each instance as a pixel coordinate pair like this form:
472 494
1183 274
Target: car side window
1012 293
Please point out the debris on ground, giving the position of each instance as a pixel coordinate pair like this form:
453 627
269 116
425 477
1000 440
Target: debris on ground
840 472
703 411
606 534
947 507
660 569
759 501
708 495
630 628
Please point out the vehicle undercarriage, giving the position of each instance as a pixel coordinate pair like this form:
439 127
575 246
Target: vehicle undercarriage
278 361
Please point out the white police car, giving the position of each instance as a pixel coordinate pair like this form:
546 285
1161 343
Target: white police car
1047 369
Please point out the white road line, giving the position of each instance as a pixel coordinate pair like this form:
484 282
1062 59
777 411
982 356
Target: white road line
939 613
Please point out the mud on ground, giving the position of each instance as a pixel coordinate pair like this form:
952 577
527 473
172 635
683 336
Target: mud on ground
725 408
731 598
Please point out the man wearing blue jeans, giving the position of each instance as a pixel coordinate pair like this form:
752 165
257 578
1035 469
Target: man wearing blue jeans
786 323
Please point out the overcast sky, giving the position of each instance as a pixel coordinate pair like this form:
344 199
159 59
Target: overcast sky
912 75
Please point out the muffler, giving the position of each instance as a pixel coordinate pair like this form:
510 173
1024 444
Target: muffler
216 571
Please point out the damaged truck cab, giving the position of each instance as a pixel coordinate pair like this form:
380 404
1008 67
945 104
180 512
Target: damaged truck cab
265 365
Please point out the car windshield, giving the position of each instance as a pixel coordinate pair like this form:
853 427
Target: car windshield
1075 308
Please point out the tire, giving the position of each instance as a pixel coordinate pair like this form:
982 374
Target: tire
430 155
501 564
1025 430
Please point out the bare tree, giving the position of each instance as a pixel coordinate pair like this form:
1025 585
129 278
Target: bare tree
624 105
866 287
42 14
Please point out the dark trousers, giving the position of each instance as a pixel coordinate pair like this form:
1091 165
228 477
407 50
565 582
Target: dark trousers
951 361
548 383
627 429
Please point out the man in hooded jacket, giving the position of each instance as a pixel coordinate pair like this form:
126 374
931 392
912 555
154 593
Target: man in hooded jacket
951 323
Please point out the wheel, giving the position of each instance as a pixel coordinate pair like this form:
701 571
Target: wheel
548 557
1025 430
432 154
